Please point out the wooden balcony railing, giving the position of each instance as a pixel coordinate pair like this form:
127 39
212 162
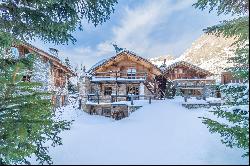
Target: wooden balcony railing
194 83
118 75
96 98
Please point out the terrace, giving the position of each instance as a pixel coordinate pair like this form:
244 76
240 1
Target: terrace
95 99
193 83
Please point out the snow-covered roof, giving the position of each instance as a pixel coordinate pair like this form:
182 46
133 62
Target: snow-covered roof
127 52
180 62
49 56
98 79
96 65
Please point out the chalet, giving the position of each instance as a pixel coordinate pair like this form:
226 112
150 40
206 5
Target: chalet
112 85
189 79
227 77
49 70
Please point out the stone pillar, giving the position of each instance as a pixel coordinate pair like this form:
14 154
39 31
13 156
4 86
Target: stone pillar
141 90
84 86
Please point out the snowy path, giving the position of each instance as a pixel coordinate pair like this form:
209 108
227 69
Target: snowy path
161 133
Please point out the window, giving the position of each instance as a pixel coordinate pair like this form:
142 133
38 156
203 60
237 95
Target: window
131 73
107 91
133 90
26 78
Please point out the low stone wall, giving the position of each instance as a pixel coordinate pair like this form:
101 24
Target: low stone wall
114 111
194 106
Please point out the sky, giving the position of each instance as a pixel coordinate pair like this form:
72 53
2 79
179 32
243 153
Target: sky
150 28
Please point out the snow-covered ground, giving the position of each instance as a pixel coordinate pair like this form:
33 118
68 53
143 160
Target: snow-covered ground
163 132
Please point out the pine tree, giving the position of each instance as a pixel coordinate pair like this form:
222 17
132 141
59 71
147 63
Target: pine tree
234 129
26 117
51 21
67 62
170 90
71 87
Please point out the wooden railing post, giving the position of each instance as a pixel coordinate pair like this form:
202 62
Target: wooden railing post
185 99
111 99
132 100
116 75
98 98
80 104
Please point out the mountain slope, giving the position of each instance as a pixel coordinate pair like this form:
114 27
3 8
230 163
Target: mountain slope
160 60
208 52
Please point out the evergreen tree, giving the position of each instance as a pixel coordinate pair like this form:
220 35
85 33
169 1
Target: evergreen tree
51 21
26 117
234 129
170 90
71 87
67 62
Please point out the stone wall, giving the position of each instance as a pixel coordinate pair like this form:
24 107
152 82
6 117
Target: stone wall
42 72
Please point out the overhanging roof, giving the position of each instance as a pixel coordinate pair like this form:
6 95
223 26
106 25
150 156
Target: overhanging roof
56 60
123 53
188 65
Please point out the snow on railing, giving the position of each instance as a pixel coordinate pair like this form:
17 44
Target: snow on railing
119 76
97 99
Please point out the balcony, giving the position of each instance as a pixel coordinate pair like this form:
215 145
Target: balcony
96 99
194 83
118 76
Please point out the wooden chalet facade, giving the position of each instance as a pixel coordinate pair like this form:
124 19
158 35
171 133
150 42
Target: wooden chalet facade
111 85
50 71
189 79
227 77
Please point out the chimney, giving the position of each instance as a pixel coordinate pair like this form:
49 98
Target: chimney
165 61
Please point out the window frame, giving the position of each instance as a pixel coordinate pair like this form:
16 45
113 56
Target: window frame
108 91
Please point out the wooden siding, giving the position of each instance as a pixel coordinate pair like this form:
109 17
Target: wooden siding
126 62
184 72
227 77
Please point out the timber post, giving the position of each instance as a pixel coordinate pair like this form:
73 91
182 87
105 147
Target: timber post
132 100
98 98
185 98
116 86
111 100
80 104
